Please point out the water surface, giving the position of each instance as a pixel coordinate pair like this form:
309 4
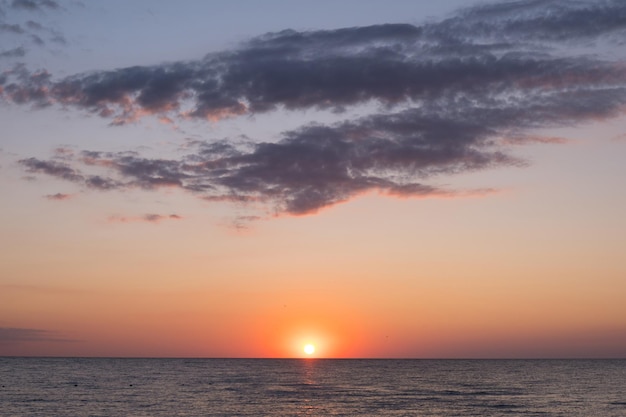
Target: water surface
311 387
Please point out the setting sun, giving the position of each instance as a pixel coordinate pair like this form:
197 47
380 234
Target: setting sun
309 349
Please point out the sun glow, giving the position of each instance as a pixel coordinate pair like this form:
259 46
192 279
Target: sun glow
309 349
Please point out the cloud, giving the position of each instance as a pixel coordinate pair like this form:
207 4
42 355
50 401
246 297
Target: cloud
58 197
52 168
13 53
19 32
64 171
34 5
538 20
34 25
9 335
8 28
444 98
317 166
146 218
389 63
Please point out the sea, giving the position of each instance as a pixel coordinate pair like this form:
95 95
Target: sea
310 387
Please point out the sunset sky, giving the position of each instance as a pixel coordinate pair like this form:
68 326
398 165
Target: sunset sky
384 179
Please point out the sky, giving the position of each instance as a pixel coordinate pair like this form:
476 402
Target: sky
378 179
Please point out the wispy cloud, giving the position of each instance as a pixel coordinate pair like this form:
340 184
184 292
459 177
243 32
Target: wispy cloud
9 335
7 28
34 5
17 27
58 196
13 53
146 218
450 97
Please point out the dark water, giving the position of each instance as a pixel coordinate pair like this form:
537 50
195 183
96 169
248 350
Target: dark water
275 387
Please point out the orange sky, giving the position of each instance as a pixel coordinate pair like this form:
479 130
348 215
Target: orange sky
348 204
402 287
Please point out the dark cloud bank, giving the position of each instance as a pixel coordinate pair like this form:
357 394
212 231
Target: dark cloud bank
451 97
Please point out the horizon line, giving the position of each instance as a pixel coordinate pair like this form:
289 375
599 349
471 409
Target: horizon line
582 358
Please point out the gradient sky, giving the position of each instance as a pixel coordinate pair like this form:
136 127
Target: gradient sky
380 179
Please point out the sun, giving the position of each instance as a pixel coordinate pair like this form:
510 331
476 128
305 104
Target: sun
309 349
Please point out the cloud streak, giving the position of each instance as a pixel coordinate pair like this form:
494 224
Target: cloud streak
146 218
58 197
10 335
34 5
449 97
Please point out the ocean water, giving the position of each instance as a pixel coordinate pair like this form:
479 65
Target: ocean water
311 387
